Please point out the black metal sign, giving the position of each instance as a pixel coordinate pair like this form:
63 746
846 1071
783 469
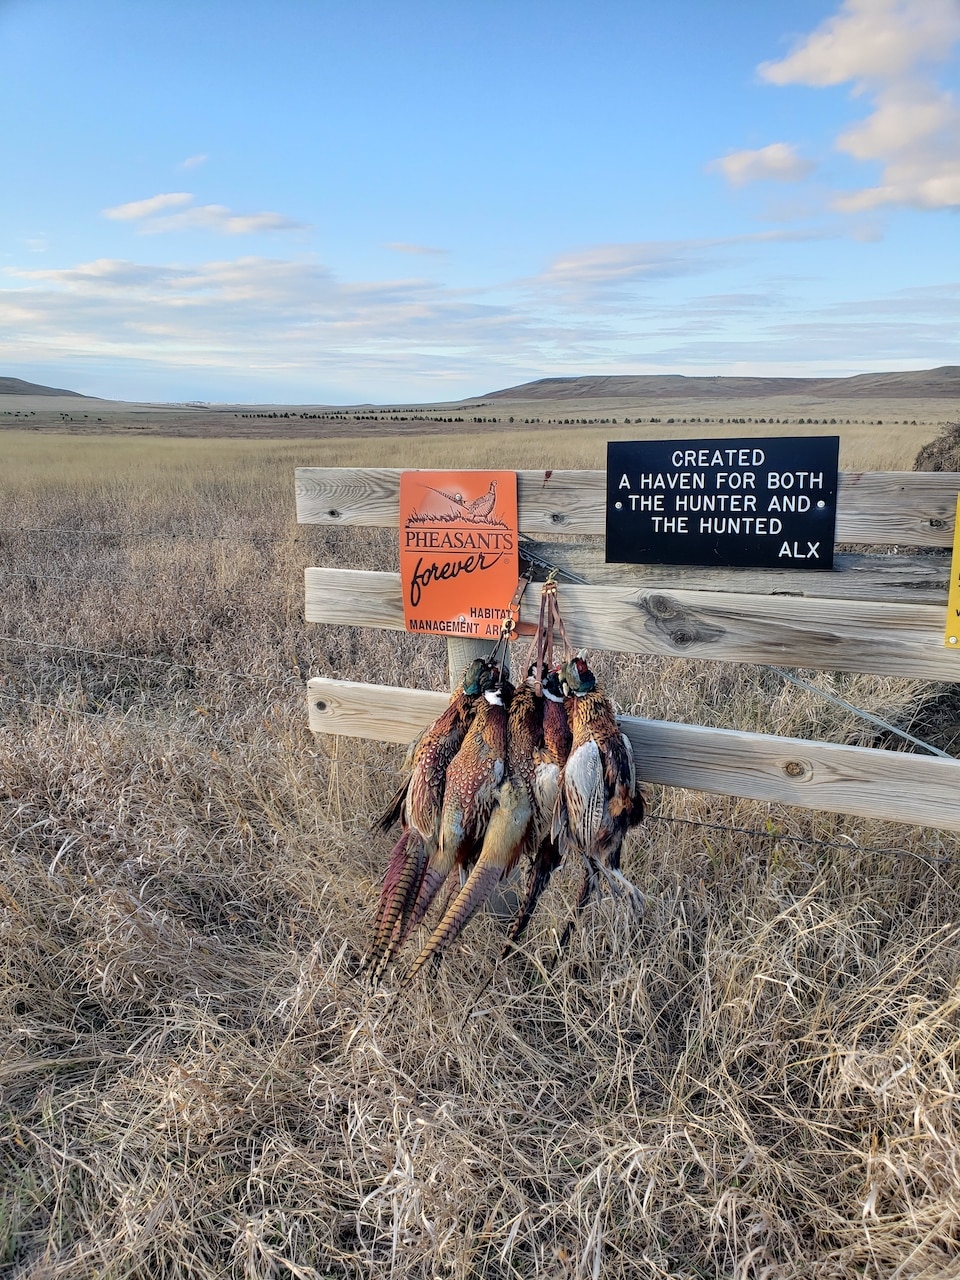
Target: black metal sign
768 503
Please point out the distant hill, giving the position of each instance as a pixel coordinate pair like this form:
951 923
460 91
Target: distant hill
17 387
915 384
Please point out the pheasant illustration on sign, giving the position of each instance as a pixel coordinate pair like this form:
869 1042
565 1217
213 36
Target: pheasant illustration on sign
459 557
480 509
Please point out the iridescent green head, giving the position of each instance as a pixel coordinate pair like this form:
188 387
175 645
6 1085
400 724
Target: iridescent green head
577 678
473 676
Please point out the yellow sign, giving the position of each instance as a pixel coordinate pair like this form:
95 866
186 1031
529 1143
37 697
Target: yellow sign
952 637
459 551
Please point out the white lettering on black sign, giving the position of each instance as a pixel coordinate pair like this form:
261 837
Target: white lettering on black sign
747 503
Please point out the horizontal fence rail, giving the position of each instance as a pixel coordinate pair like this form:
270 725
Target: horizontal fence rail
860 781
921 579
884 508
829 635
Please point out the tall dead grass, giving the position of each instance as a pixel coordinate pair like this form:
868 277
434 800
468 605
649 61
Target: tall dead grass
758 1079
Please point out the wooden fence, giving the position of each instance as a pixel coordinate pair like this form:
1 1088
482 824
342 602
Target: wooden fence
876 613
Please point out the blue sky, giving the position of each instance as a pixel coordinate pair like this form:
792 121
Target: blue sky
382 200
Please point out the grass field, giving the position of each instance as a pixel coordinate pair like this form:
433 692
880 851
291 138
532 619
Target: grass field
760 1079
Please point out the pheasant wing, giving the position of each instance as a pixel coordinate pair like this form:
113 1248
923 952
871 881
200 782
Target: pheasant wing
582 787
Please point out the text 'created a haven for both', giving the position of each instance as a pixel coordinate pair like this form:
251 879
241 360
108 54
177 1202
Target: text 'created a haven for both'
742 503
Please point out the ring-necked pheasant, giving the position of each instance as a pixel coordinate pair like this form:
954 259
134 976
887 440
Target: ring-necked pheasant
598 800
549 759
511 831
419 801
473 780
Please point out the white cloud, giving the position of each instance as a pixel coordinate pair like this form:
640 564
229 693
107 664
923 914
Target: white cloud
194 162
100 274
601 266
777 162
137 209
293 319
217 217
401 246
922 186
204 217
906 115
870 39
884 48
248 312
596 275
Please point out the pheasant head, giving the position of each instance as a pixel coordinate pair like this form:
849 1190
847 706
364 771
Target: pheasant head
576 678
551 687
473 676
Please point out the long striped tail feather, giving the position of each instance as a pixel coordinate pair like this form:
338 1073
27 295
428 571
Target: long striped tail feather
480 885
401 884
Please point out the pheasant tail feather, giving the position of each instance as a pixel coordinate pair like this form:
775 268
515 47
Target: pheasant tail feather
402 881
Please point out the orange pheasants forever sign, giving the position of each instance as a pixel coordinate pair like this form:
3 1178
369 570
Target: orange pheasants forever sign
459 558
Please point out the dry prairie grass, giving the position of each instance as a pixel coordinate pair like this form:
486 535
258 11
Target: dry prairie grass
758 1080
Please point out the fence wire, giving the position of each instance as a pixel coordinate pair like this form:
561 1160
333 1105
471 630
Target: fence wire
848 707
776 836
151 533
137 658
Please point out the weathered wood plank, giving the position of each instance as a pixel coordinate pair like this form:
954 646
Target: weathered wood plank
919 579
812 775
831 635
880 507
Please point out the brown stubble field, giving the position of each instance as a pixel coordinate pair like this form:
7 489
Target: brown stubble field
759 1078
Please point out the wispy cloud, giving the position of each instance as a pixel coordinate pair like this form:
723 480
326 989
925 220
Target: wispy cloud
135 210
777 162
884 49
401 246
217 217
283 317
153 219
590 280
194 162
253 312
600 274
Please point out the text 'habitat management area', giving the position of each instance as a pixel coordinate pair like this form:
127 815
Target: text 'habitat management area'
769 503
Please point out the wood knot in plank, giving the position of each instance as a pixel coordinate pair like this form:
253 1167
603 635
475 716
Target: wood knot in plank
798 770
676 624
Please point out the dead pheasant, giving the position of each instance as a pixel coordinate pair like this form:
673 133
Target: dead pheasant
506 831
511 831
419 801
473 781
549 759
598 799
